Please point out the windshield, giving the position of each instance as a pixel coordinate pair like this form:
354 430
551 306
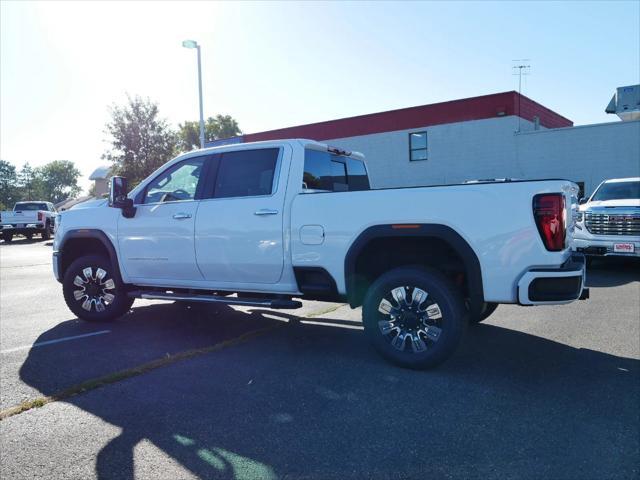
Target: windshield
30 206
617 191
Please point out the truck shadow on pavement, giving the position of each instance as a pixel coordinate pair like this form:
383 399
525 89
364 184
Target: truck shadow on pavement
314 401
613 271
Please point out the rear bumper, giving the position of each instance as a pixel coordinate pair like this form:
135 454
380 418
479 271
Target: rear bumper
23 228
541 286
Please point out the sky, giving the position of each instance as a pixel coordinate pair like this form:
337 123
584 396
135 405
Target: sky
273 65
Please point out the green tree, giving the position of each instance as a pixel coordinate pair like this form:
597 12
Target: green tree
9 193
30 183
140 141
59 180
215 128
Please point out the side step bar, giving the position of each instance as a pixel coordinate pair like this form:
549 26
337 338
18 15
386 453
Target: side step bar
280 303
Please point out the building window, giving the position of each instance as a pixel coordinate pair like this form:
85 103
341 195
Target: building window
417 146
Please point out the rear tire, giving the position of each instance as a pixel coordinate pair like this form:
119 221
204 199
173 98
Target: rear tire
414 317
93 291
7 237
29 236
46 233
485 312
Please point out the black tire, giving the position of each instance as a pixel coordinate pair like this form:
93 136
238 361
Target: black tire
29 236
46 233
7 237
438 320
96 289
485 312
588 261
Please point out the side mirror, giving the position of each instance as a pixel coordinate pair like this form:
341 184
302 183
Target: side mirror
582 201
118 197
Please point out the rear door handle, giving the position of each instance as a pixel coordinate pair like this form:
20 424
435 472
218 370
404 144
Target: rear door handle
182 216
265 211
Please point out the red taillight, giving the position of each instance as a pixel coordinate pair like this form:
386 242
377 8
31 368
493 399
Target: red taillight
548 210
40 215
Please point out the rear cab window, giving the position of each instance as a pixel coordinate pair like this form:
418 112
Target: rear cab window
325 171
30 206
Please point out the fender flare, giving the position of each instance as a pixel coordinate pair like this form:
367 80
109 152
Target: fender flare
442 232
95 235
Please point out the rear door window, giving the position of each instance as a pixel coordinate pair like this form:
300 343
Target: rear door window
246 173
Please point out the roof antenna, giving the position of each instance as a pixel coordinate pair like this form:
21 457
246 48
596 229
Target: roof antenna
521 69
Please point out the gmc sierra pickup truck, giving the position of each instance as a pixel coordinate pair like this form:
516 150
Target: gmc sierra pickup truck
274 222
608 222
28 218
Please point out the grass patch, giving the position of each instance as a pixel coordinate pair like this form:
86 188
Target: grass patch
324 311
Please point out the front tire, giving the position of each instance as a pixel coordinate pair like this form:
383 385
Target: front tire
7 237
92 290
414 317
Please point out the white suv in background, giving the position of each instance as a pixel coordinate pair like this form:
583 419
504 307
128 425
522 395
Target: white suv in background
608 223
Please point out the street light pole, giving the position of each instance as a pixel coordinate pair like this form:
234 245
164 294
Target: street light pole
200 94
194 44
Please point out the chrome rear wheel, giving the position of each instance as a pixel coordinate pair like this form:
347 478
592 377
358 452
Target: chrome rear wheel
412 320
414 316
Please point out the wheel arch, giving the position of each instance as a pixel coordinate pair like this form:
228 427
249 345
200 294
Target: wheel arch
77 243
443 234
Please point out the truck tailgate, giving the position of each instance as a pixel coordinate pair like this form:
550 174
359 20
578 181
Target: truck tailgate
11 217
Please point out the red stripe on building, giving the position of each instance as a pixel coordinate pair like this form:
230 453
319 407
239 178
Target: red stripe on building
475 108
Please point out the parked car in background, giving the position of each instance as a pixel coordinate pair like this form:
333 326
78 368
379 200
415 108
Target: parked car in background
276 221
28 218
608 223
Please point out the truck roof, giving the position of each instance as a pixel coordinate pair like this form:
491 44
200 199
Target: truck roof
620 180
307 143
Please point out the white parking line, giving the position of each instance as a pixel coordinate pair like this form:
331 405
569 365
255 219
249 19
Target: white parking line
57 340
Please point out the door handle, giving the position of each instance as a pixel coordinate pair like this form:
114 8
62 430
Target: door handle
265 211
181 216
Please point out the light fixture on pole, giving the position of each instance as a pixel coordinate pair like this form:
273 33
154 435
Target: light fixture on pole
194 44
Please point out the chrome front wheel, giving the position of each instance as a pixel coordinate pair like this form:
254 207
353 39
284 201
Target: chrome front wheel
93 291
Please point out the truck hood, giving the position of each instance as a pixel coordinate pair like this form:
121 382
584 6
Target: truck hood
94 203
631 202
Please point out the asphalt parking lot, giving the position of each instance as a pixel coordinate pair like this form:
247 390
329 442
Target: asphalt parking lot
220 392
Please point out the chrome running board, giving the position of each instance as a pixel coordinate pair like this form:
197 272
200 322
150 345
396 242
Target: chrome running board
279 303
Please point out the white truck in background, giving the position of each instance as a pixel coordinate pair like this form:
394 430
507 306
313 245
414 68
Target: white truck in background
278 221
28 218
608 222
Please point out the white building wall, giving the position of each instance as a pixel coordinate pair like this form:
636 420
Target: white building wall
492 148
456 152
589 153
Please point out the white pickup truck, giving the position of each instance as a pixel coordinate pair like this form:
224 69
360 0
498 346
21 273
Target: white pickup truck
277 221
28 218
608 222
